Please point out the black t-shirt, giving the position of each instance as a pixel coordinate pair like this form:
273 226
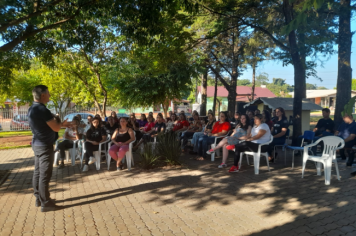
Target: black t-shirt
38 116
209 125
158 127
278 125
323 125
96 134
111 129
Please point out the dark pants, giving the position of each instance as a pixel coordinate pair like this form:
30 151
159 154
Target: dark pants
246 146
276 141
185 136
90 148
63 146
203 144
349 151
138 135
44 156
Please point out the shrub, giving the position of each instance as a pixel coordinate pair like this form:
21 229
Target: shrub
148 156
169 148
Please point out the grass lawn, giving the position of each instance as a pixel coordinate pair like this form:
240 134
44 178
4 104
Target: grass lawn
18 139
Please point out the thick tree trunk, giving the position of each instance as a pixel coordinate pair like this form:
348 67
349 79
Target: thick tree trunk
231 97
344 74
253 81
204 86
299 75
215 93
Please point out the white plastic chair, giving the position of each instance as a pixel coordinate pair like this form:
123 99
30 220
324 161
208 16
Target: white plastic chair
256 157
128 155
69 152
215 144
96 153
331 144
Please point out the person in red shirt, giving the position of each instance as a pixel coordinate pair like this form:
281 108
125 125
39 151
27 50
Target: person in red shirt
220 128
182 124
146 130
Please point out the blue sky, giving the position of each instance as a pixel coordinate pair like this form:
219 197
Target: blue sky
328 73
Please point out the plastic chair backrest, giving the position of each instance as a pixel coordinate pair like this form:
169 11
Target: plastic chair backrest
331 144
309 135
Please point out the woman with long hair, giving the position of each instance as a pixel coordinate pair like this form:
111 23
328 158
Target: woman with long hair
142 121
207 129
260 133
241 132
220 128
278 131
95 135
121 138
267 118
195 127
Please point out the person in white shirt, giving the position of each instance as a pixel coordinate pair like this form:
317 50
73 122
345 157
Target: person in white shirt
260 133
71 134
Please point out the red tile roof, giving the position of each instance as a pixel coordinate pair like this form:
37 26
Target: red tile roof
243 90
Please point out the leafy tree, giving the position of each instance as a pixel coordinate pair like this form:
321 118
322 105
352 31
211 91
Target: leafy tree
321 88
310 86
262 79
279 81
243 82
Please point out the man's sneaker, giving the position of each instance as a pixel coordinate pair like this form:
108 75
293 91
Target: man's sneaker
85 168
50 206
230 147
222 165
38 203
92 160
210 151
234 169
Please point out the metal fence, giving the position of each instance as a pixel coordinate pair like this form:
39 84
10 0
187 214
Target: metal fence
16 119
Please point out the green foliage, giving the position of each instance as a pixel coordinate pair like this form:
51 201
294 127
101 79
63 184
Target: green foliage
148 157
244 82
353 85
322 88
262 79
349 107
169 148
310 86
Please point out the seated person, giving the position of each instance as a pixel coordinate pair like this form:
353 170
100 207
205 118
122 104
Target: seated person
260 133
347 131
111 126
250 116
267 119
133 124
220 128
196 126
142 121
241 132
88 124
274 116
169 118
257 112
160 127
278 131
325 126
145 130
121 139
71 134
151 114
207 129
182 124
95 135
191 119
161 115
171 122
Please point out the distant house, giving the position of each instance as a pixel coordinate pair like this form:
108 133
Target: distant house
287 104
243 95
323 98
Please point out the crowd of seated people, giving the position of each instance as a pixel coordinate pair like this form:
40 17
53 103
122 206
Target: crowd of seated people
249 131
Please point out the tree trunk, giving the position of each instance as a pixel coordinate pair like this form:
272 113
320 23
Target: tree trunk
196 90
165 106
299 75
215 93
204 86
344 74
253 81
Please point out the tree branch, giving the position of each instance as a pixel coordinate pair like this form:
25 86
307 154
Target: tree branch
37 12
266 32
216 58
227 86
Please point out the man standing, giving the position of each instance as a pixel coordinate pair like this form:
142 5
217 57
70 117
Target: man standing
44 126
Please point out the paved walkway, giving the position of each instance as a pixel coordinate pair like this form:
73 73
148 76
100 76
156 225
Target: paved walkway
199 200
